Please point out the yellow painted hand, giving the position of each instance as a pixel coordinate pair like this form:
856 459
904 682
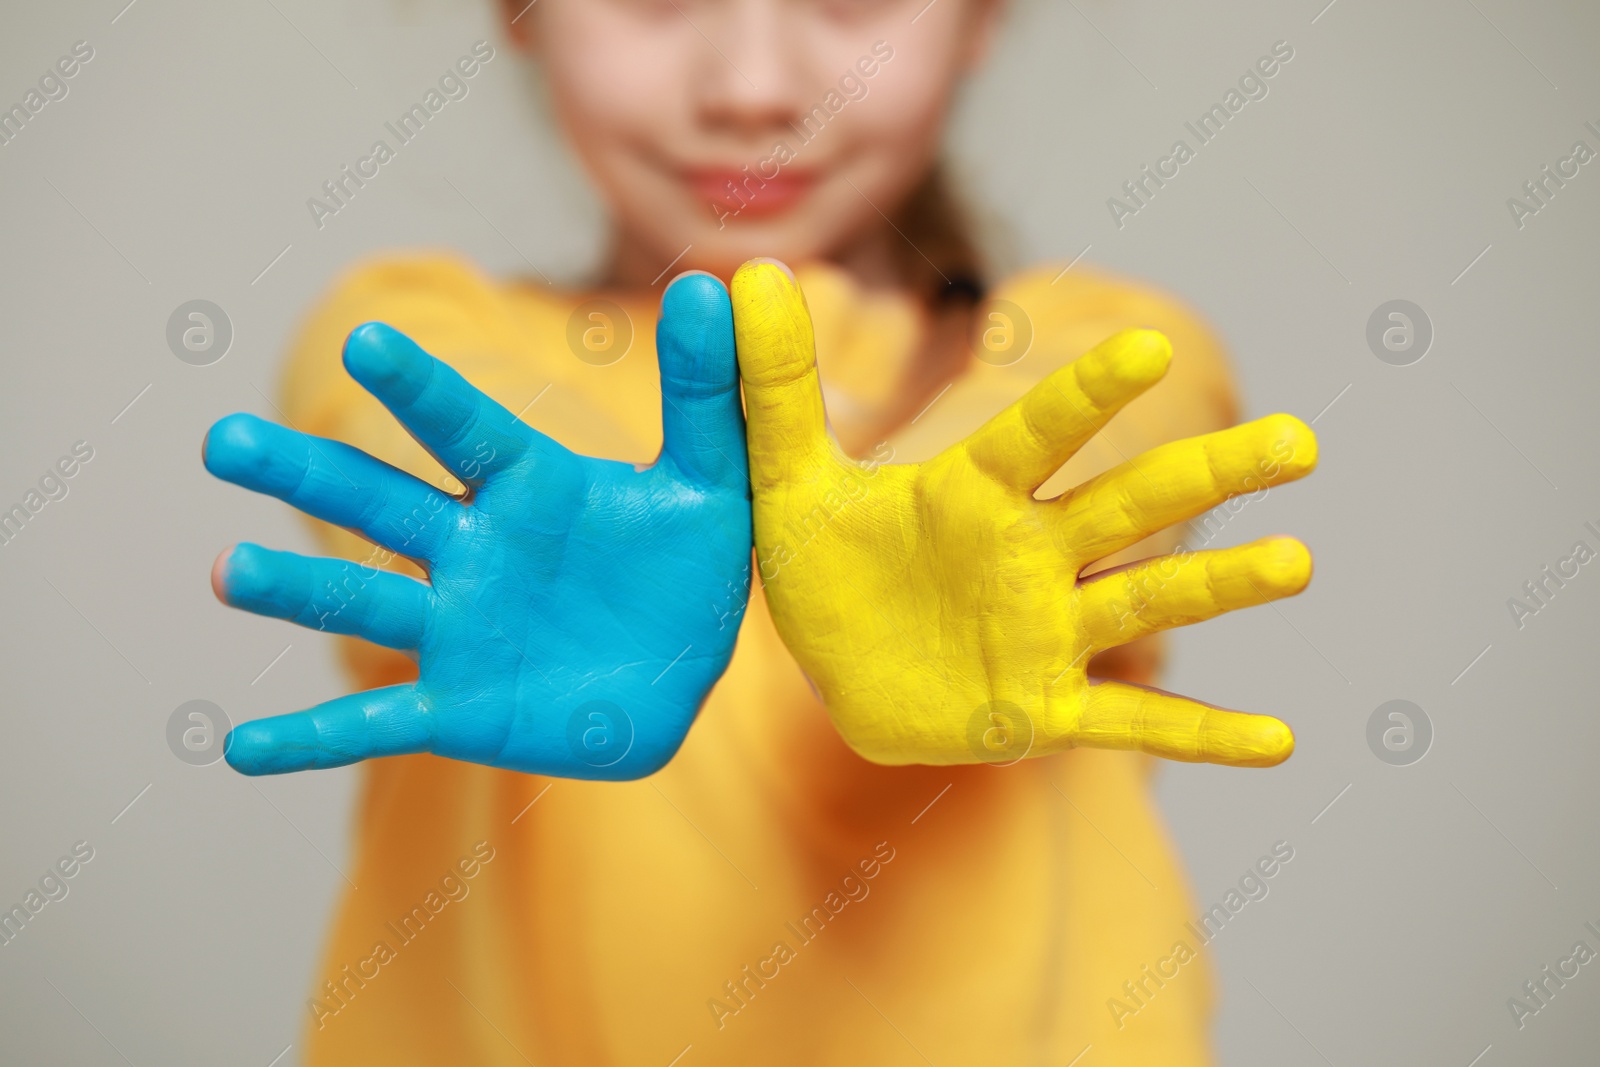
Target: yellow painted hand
937 606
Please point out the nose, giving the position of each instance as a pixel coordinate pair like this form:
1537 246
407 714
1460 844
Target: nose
750 76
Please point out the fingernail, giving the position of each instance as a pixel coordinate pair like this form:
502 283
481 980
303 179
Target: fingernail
778 263
690 274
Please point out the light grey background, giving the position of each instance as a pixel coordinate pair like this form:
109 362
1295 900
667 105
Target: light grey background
1377 168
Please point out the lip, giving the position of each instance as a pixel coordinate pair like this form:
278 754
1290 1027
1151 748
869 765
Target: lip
751 195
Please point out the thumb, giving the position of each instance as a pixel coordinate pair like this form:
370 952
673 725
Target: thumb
702 426
778 362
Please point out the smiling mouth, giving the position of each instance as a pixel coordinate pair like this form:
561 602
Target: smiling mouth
745 193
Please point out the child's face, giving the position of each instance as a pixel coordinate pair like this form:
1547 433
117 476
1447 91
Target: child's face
835 105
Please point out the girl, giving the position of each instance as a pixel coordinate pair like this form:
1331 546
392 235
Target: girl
770 896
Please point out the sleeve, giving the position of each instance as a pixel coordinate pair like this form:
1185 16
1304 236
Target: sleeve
452 311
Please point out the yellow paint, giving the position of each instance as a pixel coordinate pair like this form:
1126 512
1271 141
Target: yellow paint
933 604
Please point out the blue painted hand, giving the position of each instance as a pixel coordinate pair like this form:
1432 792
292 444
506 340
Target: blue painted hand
576 613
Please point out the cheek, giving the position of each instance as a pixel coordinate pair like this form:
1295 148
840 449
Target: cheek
905 107
892 134
890 141
605 99
611 78
907 95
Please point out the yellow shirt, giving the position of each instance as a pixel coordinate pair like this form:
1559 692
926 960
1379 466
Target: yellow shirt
768 898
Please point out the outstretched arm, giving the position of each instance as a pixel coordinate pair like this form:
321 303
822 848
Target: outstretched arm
565 626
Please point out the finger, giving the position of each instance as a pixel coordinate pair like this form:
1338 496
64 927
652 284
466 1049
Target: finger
335 595
1025 444
331 481
470 434
380 722
1178 481
1119 715
1177 590
702 421
778 362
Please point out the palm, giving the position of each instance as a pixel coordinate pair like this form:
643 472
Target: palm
630 665
938 606
576 612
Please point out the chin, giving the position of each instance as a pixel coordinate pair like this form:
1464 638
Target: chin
721 252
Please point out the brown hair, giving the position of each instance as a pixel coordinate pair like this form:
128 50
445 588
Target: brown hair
940 256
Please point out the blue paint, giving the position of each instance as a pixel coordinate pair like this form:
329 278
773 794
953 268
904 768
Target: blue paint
578 610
